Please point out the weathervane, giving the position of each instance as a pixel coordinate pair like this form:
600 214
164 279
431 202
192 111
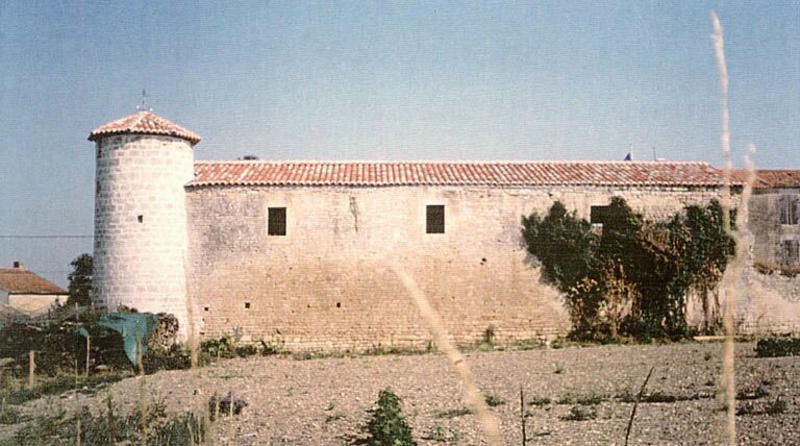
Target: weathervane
143 104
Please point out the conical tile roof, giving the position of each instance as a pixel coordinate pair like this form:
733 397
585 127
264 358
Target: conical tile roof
145 122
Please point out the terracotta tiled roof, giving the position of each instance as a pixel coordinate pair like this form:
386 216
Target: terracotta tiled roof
144 122
766 179
24 281
400 173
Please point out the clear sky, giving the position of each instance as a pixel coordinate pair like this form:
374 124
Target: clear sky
378 80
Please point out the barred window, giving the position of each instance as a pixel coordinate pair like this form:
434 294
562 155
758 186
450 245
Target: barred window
276 221
434 219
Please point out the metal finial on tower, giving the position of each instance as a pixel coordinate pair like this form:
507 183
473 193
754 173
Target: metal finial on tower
143 104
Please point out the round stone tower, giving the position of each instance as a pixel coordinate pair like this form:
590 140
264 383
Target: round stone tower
140 239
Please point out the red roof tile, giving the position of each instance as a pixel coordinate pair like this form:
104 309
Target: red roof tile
766 179
24 281
401 173
144 122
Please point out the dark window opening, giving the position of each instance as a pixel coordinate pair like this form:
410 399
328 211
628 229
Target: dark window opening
435 219
790 252
247 305
598 218
338 305
789 209
276 224
140 218
205 308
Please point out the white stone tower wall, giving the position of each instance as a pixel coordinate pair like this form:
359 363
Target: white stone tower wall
141 243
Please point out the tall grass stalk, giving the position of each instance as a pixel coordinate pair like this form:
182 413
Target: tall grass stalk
473 395
730 286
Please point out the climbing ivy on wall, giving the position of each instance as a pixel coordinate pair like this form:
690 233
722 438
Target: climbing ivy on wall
633 278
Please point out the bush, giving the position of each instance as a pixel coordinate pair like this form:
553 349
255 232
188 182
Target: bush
388 427
775 347
176 358
633 278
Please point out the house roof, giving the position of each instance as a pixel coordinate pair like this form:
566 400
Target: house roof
439 173
24 281
145 122
766 179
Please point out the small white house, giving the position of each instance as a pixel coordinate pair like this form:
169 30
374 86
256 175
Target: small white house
28 293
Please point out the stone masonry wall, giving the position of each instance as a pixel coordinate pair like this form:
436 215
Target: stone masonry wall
140 223
326 285
769 297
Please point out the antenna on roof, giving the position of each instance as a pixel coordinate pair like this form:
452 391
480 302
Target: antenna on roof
143 104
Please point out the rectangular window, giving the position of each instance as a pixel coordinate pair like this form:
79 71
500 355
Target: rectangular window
790 252
434 219
789 210
276 224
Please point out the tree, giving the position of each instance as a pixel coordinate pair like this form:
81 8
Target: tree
80 281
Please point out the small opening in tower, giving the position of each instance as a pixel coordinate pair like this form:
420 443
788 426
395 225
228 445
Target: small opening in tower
140 218
205 308
338 305
247 305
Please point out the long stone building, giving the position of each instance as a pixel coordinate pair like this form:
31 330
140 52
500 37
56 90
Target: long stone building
305 253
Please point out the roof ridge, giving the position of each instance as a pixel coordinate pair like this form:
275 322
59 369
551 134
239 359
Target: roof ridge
443 162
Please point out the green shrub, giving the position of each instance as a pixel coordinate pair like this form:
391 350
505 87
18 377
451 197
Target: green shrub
493 400
635 277
176 358
388 427
778 346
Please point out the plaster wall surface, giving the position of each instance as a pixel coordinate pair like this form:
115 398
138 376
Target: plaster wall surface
326 284
140 223
35 304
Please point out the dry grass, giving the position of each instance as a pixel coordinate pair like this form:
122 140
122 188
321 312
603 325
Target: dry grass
471 392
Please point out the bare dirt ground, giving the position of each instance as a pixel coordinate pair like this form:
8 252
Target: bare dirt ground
325 401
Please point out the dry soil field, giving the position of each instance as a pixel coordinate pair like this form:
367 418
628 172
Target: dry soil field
325 401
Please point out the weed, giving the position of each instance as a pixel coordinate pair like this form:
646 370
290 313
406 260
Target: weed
589 399
61 428
454 413
759 392
10 415
333 417
539 401
331 405
388 426
778 346
580 413
493 400
58 385
707 356
747 409
558 368
437 434
227 405
775 407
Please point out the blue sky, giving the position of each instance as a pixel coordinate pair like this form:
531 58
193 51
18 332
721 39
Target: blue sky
378 80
